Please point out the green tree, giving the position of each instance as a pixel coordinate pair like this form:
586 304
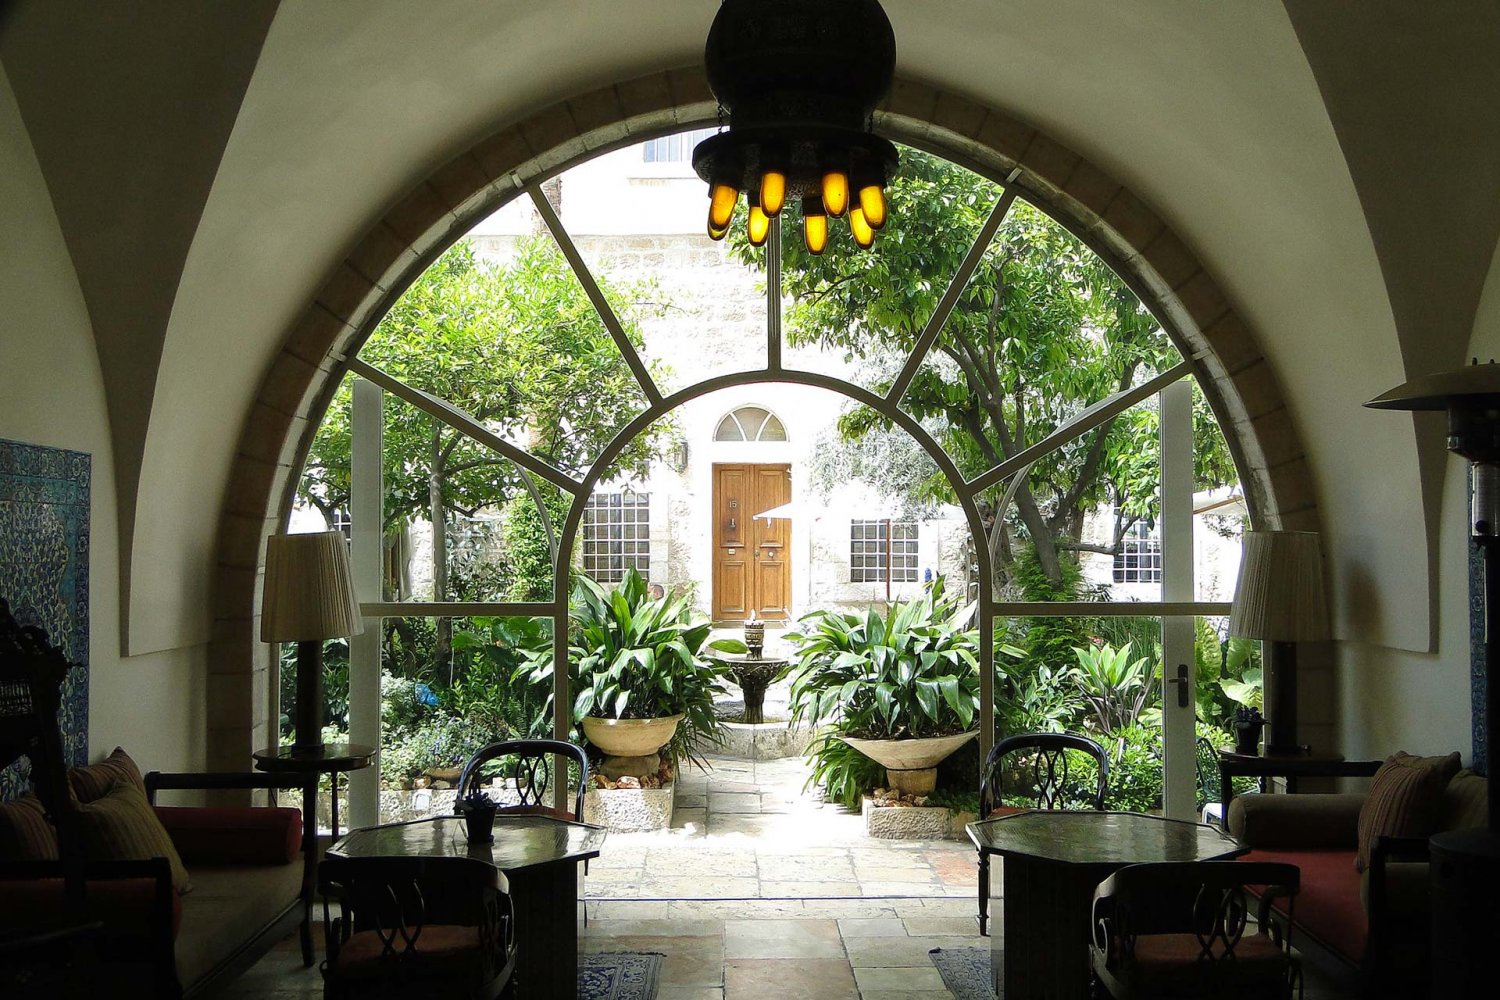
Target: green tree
520 348
1043 329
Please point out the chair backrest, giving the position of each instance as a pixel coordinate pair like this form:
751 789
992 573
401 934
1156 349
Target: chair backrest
530 771
1047 770
1208 899
1206 760
401 899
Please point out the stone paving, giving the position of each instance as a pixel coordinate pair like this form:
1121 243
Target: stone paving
748 829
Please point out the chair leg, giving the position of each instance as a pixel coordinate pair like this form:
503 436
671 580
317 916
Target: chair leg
984 895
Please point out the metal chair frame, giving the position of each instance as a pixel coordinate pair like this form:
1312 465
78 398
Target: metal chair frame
1049 772
530 772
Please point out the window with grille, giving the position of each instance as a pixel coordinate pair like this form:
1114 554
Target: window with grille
674 148
1139 558
750 423
868 555
617 535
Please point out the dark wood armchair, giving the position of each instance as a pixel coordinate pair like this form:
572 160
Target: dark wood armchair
1033 771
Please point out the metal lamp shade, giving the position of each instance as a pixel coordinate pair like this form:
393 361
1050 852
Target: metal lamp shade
1280 591
308 593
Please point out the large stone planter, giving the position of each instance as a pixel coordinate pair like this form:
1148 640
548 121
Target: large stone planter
630 810
630 745
911 765
914 822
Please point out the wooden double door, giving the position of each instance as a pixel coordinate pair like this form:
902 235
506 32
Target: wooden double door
752 561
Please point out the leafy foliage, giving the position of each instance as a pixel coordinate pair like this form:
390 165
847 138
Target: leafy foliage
636 657
1043 329
1115 686
526 545
439 741
913 672
843 772
487 692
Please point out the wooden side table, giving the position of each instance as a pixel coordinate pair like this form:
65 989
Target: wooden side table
332 759
1290 766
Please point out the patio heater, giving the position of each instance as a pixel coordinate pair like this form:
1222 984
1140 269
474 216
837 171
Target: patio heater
1465 864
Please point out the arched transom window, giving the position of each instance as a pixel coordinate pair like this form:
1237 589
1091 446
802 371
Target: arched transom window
750 423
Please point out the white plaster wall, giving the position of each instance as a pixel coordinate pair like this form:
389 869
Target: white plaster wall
152 705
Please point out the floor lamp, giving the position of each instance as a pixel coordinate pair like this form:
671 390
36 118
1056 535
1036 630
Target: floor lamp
1465 864
1279 598
309 597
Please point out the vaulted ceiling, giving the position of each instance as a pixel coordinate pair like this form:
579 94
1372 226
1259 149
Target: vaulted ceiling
1335 165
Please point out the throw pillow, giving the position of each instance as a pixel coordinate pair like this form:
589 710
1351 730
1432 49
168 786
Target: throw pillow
1403 800
25 833
122 826
95 781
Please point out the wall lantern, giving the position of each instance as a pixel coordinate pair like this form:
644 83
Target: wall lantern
799 81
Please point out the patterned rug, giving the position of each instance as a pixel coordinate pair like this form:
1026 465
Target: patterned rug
618 975
965 971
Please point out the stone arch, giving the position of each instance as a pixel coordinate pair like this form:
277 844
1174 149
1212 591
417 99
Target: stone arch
1157 264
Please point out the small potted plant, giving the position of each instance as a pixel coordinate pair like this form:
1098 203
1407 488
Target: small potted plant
478 811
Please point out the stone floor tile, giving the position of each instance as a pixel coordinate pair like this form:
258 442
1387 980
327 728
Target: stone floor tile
733 802
724 909
907 979
887 873
848 908
686 961
901 888
906 995
696 886
627 909
892 952
777 889
690 993
874 927
789 979
950 926
653 927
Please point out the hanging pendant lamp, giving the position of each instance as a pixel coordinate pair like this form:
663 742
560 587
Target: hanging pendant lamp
799 81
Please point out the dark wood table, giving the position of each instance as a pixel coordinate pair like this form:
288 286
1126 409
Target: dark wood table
1052 863
1290 766
539 856
332 759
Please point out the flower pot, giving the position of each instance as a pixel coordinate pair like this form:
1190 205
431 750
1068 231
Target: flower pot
630 745
479 823
911 765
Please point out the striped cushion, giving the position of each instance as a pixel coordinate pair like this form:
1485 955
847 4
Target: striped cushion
122 826
1403 800
25 833
95 781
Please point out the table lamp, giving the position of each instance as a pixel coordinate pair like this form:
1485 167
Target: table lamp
1279 598
309 597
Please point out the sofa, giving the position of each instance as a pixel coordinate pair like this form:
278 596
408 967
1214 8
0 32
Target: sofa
1374 922
248 873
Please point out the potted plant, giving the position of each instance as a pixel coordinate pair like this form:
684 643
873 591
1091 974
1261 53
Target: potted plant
478 811
903 688
639 680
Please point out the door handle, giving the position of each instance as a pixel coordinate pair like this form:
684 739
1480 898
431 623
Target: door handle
1181 680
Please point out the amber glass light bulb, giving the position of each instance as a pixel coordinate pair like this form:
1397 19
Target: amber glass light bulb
716 232
863 234
772 192
721 206
872 204
758 227
815 233
836 192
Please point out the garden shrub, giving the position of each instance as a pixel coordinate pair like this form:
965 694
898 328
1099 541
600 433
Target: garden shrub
439 741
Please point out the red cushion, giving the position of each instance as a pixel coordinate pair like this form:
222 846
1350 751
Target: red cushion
121 904
441 950
566 814
1328 907
241 835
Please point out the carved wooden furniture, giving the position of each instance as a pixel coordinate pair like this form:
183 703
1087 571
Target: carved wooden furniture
1045 775
1178 929
1290 766
527 764
538 855
1053 860
417 926
332 759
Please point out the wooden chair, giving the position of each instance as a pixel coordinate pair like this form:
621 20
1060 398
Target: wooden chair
1047 783
1177 930
417 927
531 773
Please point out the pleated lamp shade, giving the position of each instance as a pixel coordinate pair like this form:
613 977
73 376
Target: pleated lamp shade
1280 591
309 593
